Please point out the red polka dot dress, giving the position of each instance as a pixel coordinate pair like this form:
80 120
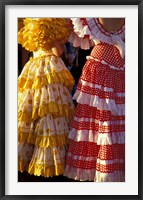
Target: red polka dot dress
97 136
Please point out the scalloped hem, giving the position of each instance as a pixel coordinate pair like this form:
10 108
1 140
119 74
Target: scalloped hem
51 108
43 141
46 170
93 175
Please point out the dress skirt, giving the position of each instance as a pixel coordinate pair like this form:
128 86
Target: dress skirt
45 109
97 136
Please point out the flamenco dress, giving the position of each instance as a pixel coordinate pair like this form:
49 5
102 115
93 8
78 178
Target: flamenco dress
97 135
45 106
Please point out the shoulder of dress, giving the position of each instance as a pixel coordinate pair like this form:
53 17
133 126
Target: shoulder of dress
100 34
92 29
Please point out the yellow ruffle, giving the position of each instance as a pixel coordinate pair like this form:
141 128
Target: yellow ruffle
46 170
45 109
52 108
41 33
63 76
24 116
43 141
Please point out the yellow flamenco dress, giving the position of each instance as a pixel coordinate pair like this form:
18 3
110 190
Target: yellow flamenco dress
45 107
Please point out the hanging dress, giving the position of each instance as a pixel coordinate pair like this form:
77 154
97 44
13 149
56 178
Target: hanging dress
97 136
45 107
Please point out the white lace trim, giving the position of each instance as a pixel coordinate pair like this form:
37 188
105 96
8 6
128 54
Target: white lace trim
110 37
99 138
101 104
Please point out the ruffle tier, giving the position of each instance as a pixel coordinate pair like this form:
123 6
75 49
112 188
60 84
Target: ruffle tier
93 175
45 161
43 70
47 131
87 161
45 109
102 86
81 35
50 99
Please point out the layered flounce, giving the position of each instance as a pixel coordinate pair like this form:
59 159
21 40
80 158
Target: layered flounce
88 161
44 161
90 174
48 131
81 35
97 135
102 86
45 109
40 71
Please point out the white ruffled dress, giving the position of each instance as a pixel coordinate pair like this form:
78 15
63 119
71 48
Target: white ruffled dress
97 136
45 109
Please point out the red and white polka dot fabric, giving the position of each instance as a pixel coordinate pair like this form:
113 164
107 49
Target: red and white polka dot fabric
97 136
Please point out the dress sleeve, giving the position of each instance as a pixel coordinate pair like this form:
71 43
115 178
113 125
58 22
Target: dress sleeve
80 35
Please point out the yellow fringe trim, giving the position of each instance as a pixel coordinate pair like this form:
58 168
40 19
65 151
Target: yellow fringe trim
41 169
46 170
63 76
45 109
43 141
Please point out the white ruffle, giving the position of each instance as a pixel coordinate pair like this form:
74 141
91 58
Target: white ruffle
111 138
48 155
79 174
55 92
80 29
52 126
110 37
25 152
25 97
51 93
101 104
46 126
117 176
93 175
83 43
99 138
42 67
